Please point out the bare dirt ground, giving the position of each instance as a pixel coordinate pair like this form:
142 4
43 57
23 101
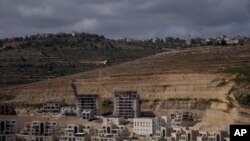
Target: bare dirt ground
189 73
195 65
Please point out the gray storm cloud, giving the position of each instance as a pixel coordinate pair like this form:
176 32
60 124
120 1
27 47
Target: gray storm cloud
120 18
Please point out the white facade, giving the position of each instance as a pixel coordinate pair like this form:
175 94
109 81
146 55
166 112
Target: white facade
144 126
149 126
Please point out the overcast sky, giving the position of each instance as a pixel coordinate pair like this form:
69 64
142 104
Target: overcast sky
122 18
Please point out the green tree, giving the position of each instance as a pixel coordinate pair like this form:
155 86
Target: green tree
107 105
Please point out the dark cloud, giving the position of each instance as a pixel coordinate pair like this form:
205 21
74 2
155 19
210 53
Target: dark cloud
120 18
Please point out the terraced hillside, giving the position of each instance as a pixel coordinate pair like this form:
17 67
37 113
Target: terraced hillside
41 59
192 79
200 64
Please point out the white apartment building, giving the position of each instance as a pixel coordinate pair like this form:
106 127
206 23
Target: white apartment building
144 126
149 126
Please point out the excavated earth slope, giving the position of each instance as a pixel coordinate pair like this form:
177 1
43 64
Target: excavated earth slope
183 73
190 73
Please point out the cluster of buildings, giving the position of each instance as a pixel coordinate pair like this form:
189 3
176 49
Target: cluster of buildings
126 104
221 40
39 131
13 44
159 128
24 41
125 124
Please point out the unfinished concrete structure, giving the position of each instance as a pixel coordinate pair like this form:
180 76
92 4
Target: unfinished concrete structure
149 126
114 120
182 119
7 109
7 130
87 102
50 106
75 132
126 104
87 114
68 111
39 131
111 132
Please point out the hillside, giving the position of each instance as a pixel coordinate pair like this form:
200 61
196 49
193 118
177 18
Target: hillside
202 80
39 58
205 63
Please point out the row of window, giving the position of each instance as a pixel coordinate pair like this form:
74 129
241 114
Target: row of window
142 124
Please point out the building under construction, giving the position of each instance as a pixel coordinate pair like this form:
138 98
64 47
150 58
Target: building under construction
7 109
126 104
87 102
50 107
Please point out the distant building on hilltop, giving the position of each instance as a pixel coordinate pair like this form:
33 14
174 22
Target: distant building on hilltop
12 44
147 126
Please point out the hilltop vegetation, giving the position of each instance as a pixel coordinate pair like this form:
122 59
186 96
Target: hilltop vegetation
242 90
43 57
